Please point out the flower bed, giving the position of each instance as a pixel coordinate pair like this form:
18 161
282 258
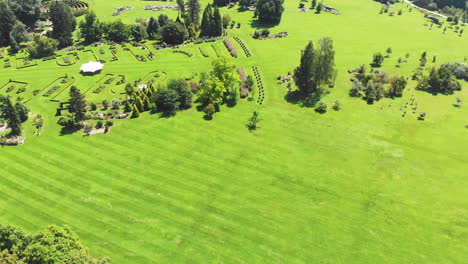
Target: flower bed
230 47
244 91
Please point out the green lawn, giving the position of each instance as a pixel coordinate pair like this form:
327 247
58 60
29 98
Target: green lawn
362 185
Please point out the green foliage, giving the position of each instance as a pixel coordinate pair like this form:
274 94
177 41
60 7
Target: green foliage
55 244
194 9
336 106
27 11
206 27
226 20
253 121
163 19
423 59
64 23
91 29
77 104
397 85
7 21
135 112
22 111
321 107
217 23
317 66
209 110
9 113
139 32
440 80
374 92
175 96
174 33
269 11
117 31
42 47
153 28
377 60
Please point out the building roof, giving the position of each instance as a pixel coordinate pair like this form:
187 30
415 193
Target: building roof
91 66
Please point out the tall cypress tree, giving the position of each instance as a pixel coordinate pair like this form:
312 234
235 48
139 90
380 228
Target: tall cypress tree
9 113
77 106
217 23
303 73
7 21
194 12
206 23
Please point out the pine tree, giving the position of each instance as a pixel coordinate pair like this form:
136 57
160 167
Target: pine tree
139 104
303 73
217 23
194 12
314 4
77 104
206 23
90 28
127 107
135 112
146 104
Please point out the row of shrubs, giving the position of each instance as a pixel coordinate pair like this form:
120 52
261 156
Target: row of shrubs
183 52
230 47
259 85
244 48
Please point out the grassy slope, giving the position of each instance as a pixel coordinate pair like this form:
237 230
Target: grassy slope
363 185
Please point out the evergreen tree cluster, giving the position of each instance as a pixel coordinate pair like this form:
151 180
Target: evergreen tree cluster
211 24
12 27
269 11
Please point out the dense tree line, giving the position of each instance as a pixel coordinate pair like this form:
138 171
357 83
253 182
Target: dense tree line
55 244
317 67
435 4
440 80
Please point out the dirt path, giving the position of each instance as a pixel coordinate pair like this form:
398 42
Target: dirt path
428 11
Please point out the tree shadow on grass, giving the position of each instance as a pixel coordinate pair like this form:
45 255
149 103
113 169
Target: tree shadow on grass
258 25
298 98
69 130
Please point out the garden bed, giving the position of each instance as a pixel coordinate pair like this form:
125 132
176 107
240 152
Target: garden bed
232 50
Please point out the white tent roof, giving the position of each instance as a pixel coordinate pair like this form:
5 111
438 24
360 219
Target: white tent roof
92 66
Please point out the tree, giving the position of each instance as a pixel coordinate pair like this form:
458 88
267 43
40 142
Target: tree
42 47
269 11
397 85
209 111
324 71
63 21
377 60
247 3
166 100
22 111
206 26
183 91
77 105
440 80
153 28
91 29
423 59
18 34
221 83
117 31
217 23
139 32
163 19
194 9
226 20
7 21
27 11
105 104
313 4
389 51
135 112
174 33
9 113
181 5
303 73
318 9
253 121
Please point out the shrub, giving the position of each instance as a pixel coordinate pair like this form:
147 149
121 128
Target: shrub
321 107
337 106
99 124
115 103
230 46
209 110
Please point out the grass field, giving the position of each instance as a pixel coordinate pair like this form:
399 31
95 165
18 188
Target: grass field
362 185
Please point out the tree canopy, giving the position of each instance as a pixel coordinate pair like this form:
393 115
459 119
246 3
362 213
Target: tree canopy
269 11
64 23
